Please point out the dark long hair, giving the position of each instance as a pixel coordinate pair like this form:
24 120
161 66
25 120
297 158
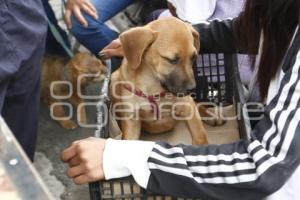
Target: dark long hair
276 20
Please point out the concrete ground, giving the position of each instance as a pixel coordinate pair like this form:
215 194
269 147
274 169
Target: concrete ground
52 140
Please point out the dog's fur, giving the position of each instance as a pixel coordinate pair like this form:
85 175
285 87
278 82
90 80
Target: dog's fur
158 57
56 68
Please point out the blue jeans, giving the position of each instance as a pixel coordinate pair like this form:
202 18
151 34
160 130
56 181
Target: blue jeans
97 35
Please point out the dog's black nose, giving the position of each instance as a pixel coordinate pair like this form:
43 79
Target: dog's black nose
191 89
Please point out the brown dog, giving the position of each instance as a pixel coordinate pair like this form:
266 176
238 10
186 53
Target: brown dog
158 61
74 71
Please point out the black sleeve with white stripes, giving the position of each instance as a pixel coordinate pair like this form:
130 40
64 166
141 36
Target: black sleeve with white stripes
242 170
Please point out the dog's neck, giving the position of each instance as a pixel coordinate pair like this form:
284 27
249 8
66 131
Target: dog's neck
143 78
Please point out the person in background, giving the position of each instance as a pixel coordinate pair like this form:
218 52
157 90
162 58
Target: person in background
189 11
265 166
52 45
86 20
23 29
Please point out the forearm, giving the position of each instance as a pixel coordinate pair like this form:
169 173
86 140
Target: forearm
124 158
217 172
212 172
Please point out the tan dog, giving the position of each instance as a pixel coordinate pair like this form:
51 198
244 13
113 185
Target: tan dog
55 69
158 59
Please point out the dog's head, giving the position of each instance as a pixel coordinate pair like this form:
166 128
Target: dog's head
169 47
86 68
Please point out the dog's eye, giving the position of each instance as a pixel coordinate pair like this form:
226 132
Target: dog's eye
173 61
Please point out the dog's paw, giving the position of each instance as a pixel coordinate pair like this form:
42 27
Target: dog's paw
83 120
197 142
215 118
69 124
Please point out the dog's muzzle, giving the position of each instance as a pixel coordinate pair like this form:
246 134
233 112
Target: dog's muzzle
177 86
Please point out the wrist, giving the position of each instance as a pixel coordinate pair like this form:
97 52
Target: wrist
123 158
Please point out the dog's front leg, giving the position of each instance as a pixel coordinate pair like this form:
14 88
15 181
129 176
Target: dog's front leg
81 112
59 113
187 111
131 129
211 116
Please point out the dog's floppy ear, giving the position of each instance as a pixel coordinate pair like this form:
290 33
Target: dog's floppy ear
196 37
135 42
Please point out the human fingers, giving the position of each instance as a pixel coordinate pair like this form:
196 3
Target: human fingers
79 16
89 11
75 171
68 14
68 153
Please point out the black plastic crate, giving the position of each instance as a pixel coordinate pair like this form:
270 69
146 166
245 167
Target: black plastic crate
219 83
214 77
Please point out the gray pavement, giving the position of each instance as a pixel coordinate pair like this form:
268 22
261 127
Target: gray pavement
52 139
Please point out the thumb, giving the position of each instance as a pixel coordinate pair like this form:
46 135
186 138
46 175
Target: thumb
108 53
